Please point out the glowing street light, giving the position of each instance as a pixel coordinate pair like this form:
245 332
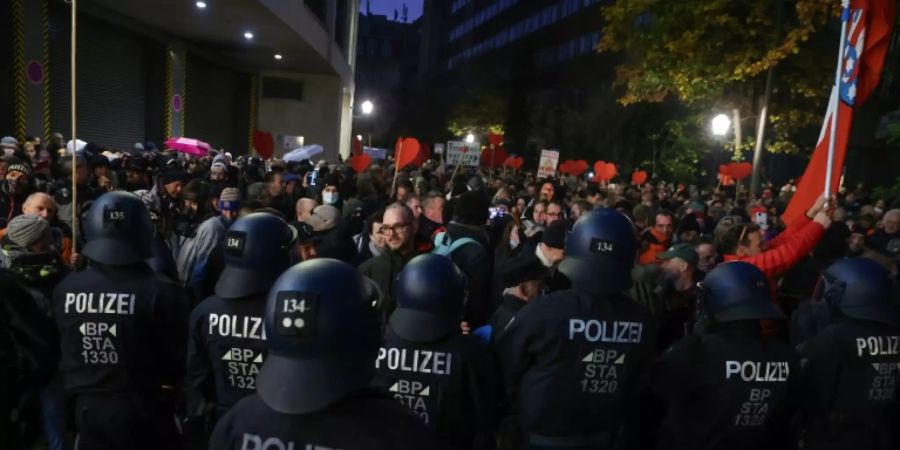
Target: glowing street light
367 107
470 138
720 125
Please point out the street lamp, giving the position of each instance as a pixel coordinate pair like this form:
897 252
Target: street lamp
367 107
720 125
470 138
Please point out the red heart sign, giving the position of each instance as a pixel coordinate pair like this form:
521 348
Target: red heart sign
495 139
359 163
263 143
739 171
579 167
565 167
604 171
407 153
638 177
493 157
514 162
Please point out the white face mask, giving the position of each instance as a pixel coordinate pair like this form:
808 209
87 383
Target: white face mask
330 198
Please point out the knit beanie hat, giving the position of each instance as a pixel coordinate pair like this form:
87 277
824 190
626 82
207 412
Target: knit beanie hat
26 229
230 199
22 168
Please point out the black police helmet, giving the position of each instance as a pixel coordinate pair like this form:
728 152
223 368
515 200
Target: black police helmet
257 251
118 230
859 288
600 252
737 290
431 292
323 336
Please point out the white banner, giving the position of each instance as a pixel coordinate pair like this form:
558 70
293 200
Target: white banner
548 163
462 153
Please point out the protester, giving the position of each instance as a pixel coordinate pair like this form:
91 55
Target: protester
507 233
399 241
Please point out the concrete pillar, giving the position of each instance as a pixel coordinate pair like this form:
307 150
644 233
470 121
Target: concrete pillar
176 81
31 55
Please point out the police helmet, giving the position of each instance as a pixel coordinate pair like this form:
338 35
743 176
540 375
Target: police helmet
118 230
737 290
323 336
431 292
257 251
600 252
859 288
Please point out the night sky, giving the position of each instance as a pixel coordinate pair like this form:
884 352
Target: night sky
387 7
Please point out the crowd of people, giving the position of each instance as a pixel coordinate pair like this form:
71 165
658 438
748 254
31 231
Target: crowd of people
298 305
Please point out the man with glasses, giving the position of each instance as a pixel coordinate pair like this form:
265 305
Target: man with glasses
398 230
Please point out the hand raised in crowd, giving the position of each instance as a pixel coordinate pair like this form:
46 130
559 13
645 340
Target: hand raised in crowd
823 217
818 206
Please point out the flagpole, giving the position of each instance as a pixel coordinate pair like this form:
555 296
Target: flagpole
72 92
835 100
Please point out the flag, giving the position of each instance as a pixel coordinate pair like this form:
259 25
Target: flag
869 24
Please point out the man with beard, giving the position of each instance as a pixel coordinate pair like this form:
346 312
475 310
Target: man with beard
676 293
14 189
397 229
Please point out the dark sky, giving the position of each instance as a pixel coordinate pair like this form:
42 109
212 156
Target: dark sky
387 7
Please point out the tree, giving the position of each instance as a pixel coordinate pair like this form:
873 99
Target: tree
713 54
479 111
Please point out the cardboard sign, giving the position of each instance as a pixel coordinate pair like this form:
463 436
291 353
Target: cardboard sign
438 149
465 154
547 164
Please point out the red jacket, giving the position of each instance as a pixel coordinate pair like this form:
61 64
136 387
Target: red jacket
786 249
782 253
654 244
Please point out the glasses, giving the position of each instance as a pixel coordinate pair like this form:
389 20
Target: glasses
388 230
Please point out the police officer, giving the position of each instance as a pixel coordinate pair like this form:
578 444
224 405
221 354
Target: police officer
322 333
426 363
727 387
852 367
227 345
122 333
572 358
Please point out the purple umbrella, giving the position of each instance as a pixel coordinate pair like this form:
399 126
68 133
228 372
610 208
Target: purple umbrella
187 145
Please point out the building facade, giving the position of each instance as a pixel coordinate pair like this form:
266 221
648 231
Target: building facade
215 71
536 55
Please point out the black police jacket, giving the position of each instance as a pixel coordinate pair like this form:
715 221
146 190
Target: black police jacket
226 349
850 376
728 389
450 384
476 261
29 353
572 362
122 329
509 307
367 421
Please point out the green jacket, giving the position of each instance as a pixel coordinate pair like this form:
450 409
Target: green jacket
383 270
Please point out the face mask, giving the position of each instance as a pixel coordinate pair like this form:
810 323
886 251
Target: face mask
330 198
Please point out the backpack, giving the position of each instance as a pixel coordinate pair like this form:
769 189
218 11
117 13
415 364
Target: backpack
444 246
